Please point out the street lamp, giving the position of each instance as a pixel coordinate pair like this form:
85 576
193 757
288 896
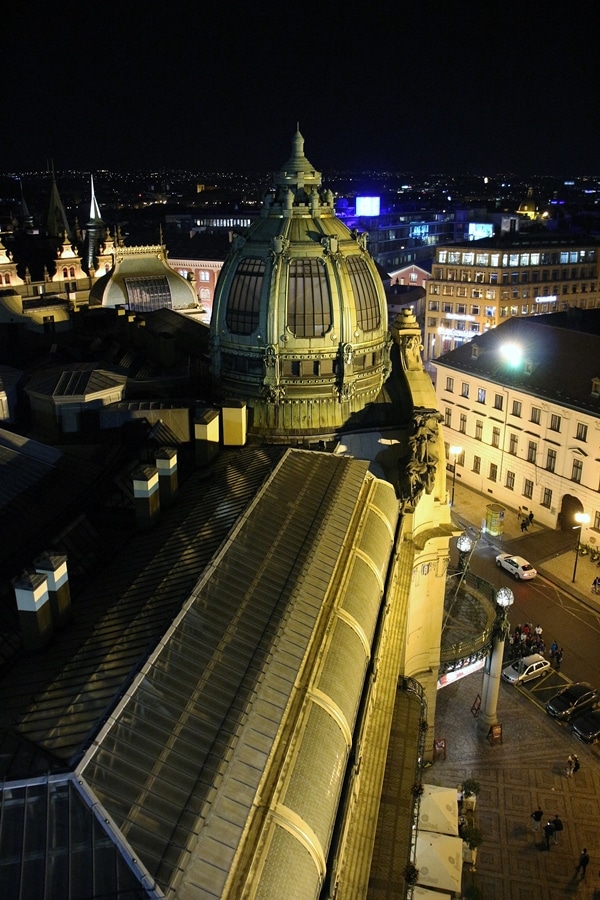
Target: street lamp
581 519
493 667
455 452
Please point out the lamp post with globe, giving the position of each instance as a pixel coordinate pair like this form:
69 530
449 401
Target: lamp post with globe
455 452
581 519
493 666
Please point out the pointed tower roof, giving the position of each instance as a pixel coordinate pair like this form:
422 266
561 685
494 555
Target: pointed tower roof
56 221
24 214
298 171
94 208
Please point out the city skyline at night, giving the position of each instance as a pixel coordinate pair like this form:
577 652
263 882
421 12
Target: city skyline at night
420 89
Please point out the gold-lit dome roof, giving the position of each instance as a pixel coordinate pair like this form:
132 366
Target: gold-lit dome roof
299 326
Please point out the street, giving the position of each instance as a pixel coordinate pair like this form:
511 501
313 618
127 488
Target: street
575 627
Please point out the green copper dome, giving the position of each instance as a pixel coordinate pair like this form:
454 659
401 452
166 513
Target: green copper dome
299 326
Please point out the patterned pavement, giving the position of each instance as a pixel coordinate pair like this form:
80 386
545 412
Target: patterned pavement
526 769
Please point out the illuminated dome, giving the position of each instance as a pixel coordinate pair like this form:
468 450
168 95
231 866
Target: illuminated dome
299 325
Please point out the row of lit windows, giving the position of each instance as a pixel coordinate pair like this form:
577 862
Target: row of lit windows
520 277
449 290
527 485
515 258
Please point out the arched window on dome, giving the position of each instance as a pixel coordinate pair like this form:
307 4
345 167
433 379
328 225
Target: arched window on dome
366 301
6 278
309 303
243 303
65 272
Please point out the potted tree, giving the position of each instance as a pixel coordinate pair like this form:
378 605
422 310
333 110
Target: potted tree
470 790
472 838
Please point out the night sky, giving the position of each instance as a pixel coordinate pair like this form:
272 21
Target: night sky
461 87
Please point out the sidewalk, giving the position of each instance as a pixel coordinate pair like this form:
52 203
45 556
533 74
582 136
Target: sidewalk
551 552
528 767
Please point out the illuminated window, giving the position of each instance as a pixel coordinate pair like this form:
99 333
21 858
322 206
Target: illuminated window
204 276
481 395
309 308
366 300
243 305
434 306
146 294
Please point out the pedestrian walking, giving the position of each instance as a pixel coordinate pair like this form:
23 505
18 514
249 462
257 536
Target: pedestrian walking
558 827
524 525
530 518
558 657
596 585
584 858
549 832
538 630
519 514
576 763
536 816
553 649
570 766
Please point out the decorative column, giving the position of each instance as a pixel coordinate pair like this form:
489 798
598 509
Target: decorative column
493 666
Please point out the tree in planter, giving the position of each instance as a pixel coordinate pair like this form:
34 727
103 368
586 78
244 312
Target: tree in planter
470 787
472 892
471 836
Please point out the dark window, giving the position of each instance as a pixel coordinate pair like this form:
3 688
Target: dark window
365 294
243 305
309 308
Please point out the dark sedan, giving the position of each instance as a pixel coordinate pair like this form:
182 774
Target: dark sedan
587 726
572 701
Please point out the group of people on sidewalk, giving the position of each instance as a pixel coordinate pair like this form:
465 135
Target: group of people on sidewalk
552 829
525 521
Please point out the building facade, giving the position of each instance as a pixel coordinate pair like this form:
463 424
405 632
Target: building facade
524 428
476 286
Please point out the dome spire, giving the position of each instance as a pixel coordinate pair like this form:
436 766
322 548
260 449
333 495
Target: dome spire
298 170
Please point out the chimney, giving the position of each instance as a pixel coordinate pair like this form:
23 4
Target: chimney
206 436
54 567
235 423
146 497
166 464
33 604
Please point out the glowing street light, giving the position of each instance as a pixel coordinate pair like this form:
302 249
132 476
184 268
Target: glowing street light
581 519
454 452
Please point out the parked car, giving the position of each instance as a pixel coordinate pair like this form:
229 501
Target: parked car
572 701
587 726
526 669
516 565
